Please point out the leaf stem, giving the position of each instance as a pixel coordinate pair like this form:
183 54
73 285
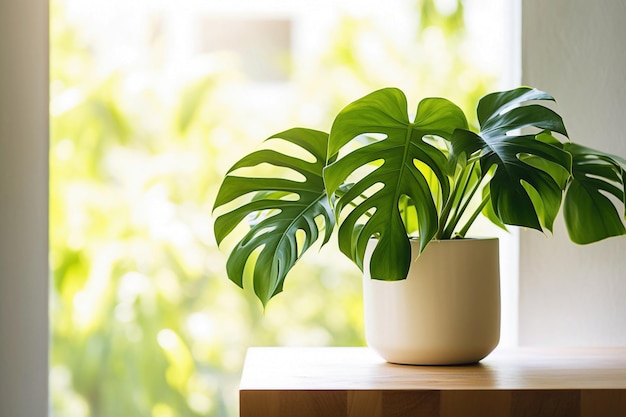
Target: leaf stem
443 219
468 198
448 206
448 221
475 214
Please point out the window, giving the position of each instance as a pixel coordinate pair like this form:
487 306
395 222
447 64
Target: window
134 148
23 263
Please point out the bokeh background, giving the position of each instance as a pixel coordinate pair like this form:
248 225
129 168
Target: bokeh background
151 103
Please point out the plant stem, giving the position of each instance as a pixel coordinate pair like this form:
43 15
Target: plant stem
443 219
475 214
447 227
450 204
461 210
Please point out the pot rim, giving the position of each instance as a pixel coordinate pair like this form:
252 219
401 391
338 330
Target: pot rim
462 239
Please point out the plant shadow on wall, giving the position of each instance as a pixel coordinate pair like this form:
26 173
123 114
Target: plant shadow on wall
427 178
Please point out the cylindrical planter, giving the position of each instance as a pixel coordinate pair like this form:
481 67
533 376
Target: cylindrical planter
446 312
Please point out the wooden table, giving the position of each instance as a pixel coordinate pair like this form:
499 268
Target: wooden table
355 382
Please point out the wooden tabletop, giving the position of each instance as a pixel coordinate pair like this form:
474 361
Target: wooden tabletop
354 381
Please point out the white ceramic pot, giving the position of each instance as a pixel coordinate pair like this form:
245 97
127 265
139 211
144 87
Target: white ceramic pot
446 312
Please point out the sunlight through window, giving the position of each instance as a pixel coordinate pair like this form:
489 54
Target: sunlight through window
151 103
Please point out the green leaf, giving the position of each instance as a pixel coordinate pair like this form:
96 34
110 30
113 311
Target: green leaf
273 243
394 179
590 215
490 213
495 103
524 192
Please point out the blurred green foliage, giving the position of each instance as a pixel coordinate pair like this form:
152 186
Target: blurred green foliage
144 320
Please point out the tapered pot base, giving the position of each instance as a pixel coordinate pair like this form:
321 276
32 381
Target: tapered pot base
447 311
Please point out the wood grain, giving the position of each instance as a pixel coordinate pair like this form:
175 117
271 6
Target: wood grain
355 382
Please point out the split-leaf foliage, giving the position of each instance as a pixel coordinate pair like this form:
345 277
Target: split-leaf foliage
380 174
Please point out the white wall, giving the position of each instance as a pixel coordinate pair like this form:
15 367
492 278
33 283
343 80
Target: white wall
576 295
23 208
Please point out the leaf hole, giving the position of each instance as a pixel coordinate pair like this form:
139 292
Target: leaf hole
408 214
368 138
367 215
371 191
257 217
615 181
300 238
612 198
364 170
432 180
267 170
436 142
291 149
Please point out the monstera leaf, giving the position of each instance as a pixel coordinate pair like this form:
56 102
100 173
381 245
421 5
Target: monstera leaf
589 213
282 210
395 175
522 192
431 174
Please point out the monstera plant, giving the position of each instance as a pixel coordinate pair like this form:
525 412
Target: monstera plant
381 175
